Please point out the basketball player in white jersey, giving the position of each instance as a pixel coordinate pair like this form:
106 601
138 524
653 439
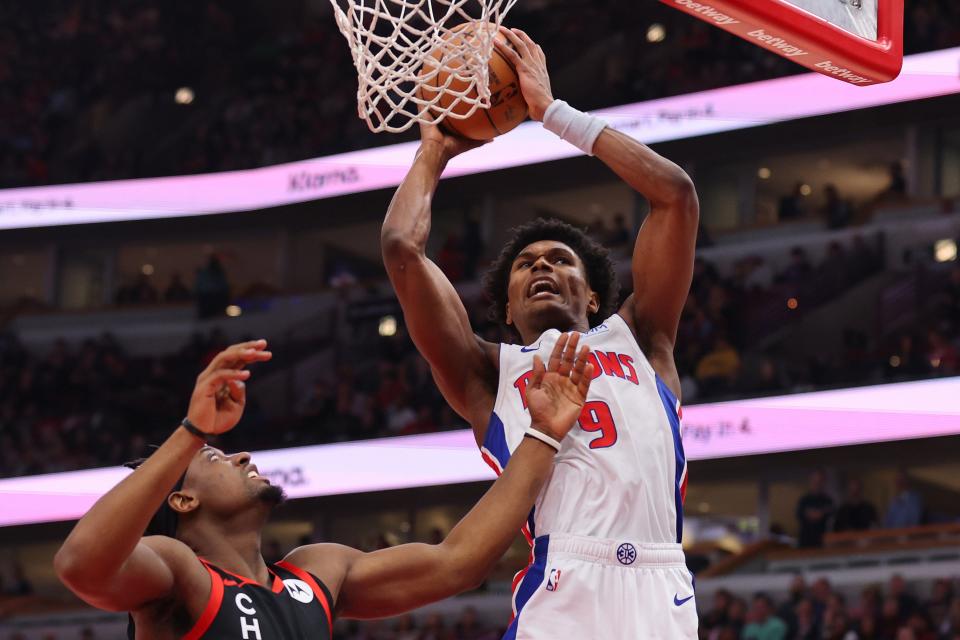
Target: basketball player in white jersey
606 562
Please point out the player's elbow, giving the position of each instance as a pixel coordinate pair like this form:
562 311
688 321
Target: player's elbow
682 194
69 566
398 248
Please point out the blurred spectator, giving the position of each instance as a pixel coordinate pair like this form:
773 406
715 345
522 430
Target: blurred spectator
213 290
941 355
177 291
762 623
718 368
906 507
793 206
620 237
836 211
855 513
799 268
814 510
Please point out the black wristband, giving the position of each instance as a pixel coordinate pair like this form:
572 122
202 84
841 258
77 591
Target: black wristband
192 428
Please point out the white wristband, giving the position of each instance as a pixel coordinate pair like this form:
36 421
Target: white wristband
576 127
544 438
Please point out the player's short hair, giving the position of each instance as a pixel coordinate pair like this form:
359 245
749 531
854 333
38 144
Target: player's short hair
601 276
164 521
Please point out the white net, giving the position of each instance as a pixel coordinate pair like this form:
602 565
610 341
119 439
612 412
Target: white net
401 46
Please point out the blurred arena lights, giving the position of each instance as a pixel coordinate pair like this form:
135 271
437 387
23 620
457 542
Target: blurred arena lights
945 250
388 326
764 173
656 33
234 311
184 95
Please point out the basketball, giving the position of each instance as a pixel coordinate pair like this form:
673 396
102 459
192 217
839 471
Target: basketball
507 106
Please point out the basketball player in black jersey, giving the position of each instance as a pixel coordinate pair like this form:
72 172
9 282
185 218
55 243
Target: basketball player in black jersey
211 581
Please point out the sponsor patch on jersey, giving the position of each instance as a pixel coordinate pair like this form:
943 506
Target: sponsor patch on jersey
600 328
299 590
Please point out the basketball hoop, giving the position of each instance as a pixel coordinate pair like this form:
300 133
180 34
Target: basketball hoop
391 39
857 41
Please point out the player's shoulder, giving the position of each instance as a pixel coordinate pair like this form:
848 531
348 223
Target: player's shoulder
327 561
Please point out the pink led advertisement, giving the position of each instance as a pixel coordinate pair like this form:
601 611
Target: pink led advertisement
749 427
924 75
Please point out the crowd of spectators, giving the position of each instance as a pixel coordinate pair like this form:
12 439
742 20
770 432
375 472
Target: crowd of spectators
818 514
83 81
73 406
469 625
821 612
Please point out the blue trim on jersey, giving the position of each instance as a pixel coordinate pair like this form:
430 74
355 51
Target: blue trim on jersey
495 440
670 405
531 582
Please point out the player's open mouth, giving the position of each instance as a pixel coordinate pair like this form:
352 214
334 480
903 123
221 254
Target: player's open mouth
542 288
252 473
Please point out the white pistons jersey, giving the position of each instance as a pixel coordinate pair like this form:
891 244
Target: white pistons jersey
621 471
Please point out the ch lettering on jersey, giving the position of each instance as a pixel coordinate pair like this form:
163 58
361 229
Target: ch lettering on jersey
605 363
247 626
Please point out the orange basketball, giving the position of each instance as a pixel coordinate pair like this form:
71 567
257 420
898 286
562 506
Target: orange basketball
507 106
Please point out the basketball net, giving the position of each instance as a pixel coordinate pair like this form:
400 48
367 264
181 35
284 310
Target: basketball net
391 42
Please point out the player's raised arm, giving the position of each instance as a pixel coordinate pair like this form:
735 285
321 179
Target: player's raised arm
390 581
105 560
664 251
463 366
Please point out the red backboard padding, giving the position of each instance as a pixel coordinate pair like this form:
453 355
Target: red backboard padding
809 40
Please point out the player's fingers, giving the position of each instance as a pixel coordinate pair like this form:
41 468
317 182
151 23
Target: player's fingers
557 353
517 42
217 379
253 351
569 354
541 54
527 40
583 387
507 51
580 364
237 390
538 371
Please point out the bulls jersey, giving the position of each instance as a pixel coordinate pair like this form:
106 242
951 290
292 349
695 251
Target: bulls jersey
295 606
621 471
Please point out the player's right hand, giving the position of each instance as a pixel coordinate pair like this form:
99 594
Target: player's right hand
557 392
450 145
220 395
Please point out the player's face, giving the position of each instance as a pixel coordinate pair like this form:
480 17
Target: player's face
548 289
226 484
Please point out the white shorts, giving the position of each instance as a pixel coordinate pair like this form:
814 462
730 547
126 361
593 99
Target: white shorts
580 588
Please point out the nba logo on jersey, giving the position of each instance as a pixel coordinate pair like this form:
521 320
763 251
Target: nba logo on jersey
600 328
553 582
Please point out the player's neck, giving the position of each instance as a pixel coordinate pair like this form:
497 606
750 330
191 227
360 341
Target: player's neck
233 546
530 334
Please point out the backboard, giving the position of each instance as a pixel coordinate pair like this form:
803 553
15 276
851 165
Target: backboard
857 41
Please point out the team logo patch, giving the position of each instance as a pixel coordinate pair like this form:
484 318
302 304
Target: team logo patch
553 582
299 590
626 553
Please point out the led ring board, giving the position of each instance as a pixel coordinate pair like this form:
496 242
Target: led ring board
856 41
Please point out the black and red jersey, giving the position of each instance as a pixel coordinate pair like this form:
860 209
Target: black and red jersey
296 606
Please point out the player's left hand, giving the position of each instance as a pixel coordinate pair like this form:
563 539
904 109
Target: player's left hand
220 394
557 392
531 65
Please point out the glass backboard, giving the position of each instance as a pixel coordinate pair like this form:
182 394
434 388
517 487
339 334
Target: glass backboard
855 16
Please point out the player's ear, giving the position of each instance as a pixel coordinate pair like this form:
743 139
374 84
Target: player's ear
593 304
182 502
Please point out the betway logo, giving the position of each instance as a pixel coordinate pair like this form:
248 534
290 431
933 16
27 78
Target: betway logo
779 44
708 12
842 72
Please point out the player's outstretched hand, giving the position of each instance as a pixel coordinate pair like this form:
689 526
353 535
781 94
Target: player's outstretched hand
530 61
450 144
220 395
557 391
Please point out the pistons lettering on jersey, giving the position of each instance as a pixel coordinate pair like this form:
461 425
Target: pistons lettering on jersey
605 363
